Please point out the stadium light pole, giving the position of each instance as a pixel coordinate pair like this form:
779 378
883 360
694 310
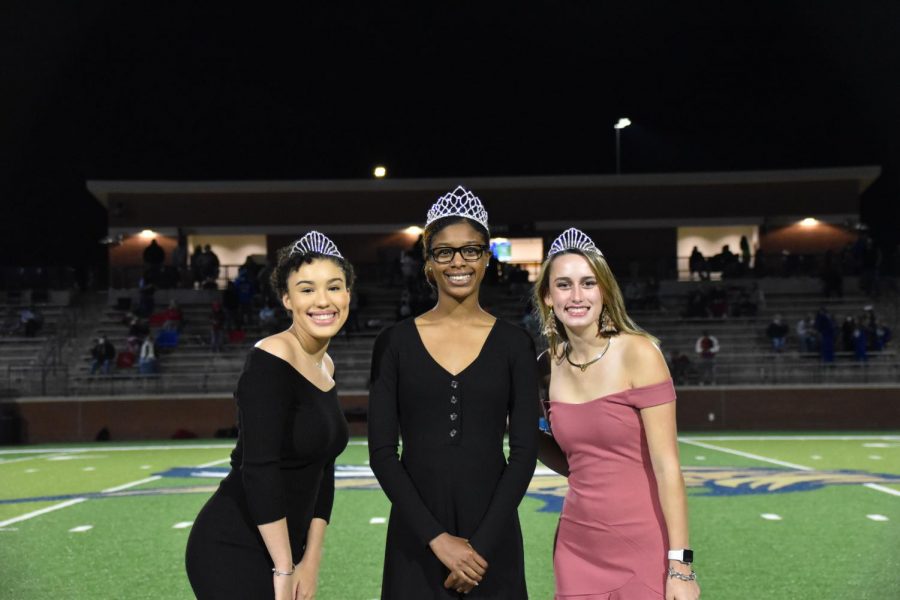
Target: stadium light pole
619 126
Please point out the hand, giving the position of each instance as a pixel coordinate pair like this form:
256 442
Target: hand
453 582
460 558
305 580
676 589
284 589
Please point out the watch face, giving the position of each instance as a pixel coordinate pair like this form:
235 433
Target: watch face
688 556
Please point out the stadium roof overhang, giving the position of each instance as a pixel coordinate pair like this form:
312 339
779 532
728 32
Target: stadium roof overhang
543 202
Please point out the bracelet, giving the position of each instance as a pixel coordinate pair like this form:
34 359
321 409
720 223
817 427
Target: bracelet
673 574
283 573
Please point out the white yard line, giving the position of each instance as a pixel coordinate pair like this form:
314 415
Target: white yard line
117 449
213 463
130 484
775 461
42 511
15 460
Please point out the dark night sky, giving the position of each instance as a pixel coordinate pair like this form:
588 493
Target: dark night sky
99 90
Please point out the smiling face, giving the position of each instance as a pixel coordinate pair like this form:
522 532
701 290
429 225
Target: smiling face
318 298
459 277
574 293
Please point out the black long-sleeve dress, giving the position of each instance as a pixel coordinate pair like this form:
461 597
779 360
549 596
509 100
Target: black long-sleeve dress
453 475
282 466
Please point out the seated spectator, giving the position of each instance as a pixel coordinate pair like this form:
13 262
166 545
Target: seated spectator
777 332
718 302
146 300
102 354
707 347
147 363
232 305
806 334
680 364
848 343
30 321
173 317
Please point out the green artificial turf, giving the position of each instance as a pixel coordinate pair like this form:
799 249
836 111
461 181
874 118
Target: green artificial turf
824 545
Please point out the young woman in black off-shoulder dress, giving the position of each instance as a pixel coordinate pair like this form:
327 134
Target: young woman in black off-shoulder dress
448 382
261 534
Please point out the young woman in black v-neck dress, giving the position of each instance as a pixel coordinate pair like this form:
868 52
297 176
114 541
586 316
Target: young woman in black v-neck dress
448 382
270 513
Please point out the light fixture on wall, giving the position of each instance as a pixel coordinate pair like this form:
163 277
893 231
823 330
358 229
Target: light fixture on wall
148 234
809 222
414 230
379 172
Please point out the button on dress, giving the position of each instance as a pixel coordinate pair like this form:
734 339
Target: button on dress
453 475
612 542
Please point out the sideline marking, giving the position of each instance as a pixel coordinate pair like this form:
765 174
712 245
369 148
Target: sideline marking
125 448
130 484
89 469
182 525
31 470
877 517
213 463
81 528
41 511
15 460
874 457
377 520
770 517
871 486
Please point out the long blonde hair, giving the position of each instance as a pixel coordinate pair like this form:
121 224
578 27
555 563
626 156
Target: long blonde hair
613 302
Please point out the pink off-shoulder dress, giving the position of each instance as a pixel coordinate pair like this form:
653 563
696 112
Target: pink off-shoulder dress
612 542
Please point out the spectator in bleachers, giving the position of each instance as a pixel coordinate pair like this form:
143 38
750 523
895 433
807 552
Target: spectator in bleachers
30 320
197 266
777 333
697 305
147 363
882 336
697 265
860 343
745 252
210 264
826 329
268 318
217 327
232 305
146 298
847 328
409 269
404 309
806 334
680 365
154 256
718 302
102 354
758 296
173 317
707 347
744 306
245 285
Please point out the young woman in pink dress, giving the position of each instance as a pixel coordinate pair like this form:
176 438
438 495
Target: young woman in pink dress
623 531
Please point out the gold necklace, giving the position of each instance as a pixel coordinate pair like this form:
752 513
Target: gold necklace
584 366
299 341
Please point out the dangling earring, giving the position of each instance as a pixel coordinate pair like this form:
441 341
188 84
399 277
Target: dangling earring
607 327
550 330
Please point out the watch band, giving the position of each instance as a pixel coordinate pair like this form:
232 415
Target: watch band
685 555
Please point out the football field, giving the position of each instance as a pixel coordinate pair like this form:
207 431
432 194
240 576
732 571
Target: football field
778 515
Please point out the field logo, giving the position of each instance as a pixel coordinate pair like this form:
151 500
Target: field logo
718 481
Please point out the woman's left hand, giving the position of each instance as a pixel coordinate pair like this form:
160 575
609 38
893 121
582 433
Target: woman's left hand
455 583
305 579
677 589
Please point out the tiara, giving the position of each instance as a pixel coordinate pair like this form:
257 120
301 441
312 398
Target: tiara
573 239
460 203
315 242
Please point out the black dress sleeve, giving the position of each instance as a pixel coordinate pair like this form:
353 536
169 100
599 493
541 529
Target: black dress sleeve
384 435
262 398
523 442
325 498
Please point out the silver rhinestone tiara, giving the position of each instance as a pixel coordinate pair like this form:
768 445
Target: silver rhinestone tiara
573 239
315 242
458 203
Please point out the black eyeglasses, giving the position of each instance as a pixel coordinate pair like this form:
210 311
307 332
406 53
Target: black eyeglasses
445 254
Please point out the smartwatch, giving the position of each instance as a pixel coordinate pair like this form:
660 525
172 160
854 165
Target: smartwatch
685 555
